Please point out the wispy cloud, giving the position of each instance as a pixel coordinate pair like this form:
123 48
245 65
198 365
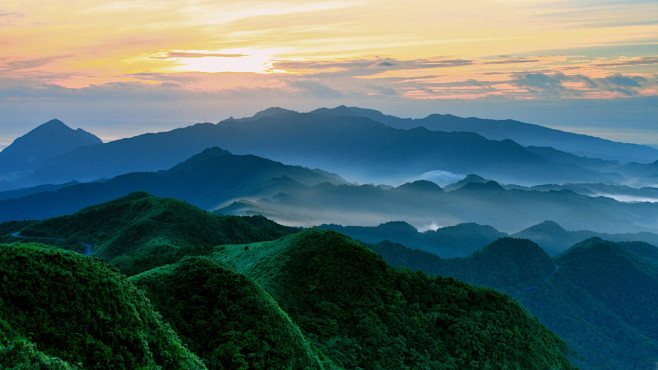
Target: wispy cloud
624 61
14 65
300 53
315 88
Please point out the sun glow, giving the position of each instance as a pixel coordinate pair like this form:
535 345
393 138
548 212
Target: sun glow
239 61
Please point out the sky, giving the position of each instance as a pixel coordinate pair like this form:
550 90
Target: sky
120 68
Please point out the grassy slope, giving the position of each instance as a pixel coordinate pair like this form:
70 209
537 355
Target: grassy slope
139 231
79 310
362 313
225 318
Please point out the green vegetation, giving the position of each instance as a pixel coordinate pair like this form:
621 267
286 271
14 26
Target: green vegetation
139 231
601 300
362 313
20 353
311 299
59 308
13 226
225 318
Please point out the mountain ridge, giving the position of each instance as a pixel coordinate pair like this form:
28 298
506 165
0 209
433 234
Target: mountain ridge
207 179
526 134
354 146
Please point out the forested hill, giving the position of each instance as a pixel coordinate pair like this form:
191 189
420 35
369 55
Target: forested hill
363 313
60 310
312 299
139 231
599 296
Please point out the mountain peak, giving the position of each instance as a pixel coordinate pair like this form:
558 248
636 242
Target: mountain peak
340 110
469 179
54 123
531 263
421 185
191 163
546 226
479 186
272 112
44 142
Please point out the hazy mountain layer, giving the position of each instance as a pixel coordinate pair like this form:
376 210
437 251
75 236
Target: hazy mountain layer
45 142
208 180
425 205
523 133
463 240
249 185
599 296
356 147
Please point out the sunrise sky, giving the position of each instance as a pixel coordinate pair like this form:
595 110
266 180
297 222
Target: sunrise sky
118 68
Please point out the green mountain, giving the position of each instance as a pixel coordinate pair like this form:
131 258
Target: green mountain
313 299
61 310
599 296
360 312
139 231
225 318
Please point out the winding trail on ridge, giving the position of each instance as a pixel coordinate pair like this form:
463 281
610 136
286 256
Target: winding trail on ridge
88 247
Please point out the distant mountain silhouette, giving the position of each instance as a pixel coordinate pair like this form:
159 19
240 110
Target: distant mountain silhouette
447 242
472 178
357 148
523 133
207 180
464 239
555 239
43 143
486 203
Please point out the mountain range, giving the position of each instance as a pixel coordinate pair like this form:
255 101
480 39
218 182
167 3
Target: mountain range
207 223
311 299
465 239
425 205
525 134
599 296
357 147
208 180
217 180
